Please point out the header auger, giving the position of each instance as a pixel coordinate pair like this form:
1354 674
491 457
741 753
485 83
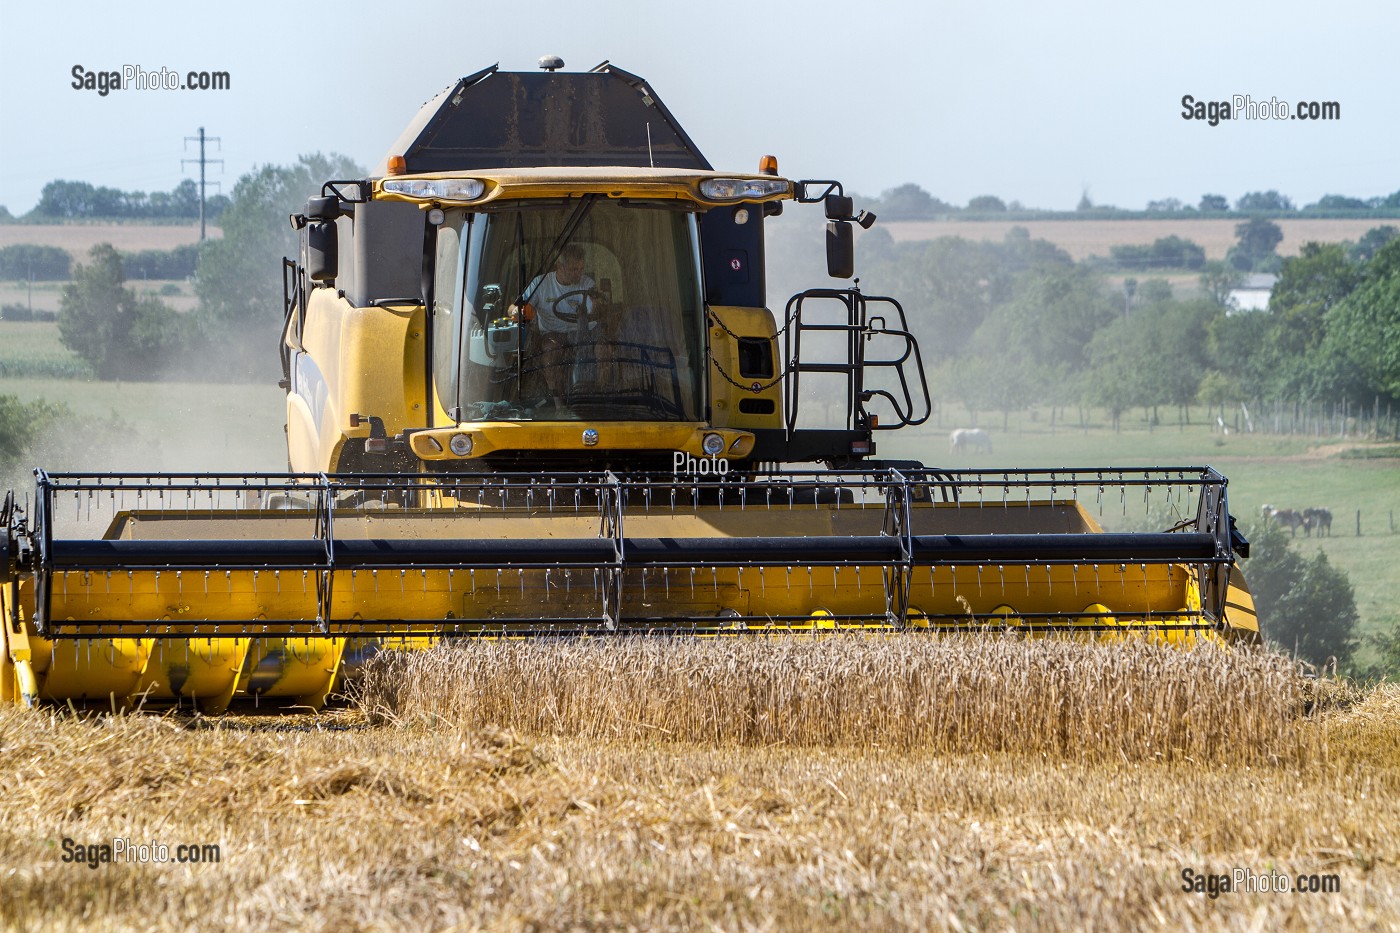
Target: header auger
534 388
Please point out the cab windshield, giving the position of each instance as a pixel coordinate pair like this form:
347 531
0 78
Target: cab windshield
583 309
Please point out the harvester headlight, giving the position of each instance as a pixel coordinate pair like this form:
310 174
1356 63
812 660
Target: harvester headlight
713 445
444 189
735 189
461 445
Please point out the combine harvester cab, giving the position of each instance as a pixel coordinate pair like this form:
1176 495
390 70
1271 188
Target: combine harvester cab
535 387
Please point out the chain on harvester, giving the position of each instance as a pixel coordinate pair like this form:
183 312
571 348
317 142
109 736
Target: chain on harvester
754 387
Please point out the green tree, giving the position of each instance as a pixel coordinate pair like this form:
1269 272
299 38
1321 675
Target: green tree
1018 253
1337 202
1039 333
910 202
21 424
1170 252
239 277
177 263
1115 378
1177 334
1218 279
1154 291
1306 606
120 335
1050 319
1387 646
1258 238
965 380
78 199
1239 346
1371 242
1214 202
1309 286
25 261
987 203
1216 391
1263 201
1010 388
1153 357
1363 329
947 285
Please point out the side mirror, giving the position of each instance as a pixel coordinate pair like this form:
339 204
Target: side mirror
322 251
323 208
838 207
840 250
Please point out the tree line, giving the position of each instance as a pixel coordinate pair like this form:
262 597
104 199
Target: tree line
1017 324
911 202
63 200
231 335
27 262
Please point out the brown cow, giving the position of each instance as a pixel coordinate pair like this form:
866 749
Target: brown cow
1288 518
1319 518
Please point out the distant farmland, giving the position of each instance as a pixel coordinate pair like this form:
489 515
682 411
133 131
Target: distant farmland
1080 238
1083 238
79 238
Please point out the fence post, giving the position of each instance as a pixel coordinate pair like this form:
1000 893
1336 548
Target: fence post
1358 523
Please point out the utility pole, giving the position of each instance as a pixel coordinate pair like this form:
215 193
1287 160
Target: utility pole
202 162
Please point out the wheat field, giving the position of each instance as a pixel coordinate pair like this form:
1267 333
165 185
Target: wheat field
948 695
77 239
1085 238
592 803
1080 238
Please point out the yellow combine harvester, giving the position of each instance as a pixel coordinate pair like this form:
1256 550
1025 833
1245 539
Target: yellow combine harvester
534 387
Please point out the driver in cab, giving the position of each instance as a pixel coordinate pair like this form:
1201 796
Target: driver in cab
562 303
560 298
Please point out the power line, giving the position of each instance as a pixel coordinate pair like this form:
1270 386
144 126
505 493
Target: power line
202 162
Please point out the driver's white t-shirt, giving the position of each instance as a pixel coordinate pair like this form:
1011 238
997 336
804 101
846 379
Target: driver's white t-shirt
545 291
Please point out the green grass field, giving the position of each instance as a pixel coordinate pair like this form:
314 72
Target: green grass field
47 296
137 426
32 349
1287 472
159 426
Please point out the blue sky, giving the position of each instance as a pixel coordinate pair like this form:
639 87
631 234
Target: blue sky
1035 102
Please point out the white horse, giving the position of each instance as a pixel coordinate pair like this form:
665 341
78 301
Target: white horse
976 438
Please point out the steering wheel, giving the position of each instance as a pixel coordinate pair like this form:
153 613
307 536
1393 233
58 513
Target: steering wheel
570 317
